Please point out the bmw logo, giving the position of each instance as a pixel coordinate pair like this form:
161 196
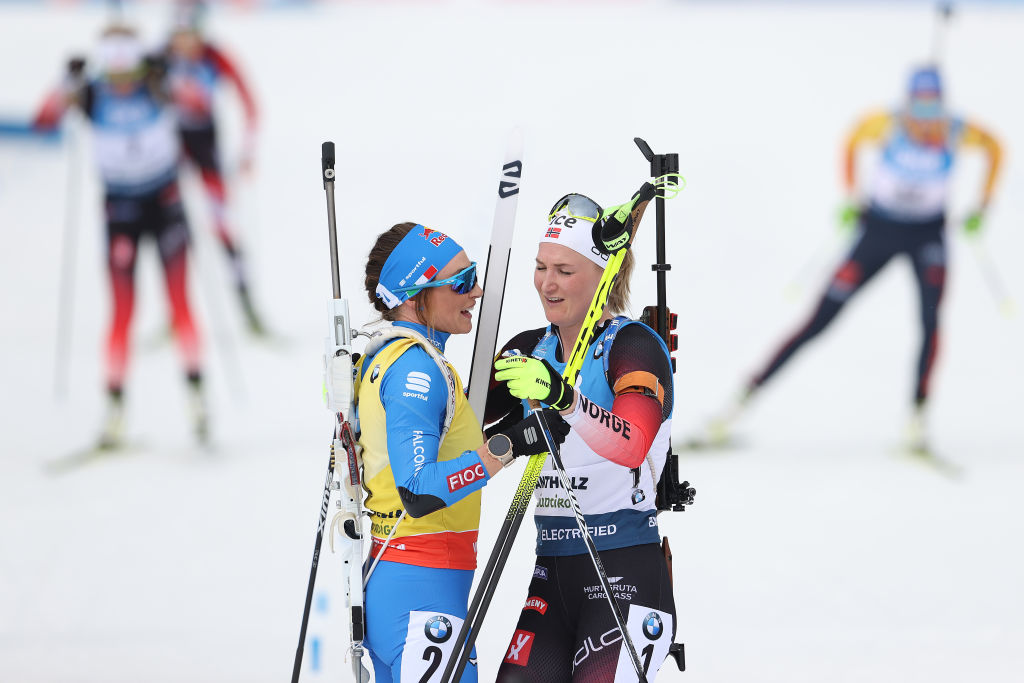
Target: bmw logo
653 627
438 629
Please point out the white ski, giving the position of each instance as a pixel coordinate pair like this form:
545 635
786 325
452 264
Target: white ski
496 270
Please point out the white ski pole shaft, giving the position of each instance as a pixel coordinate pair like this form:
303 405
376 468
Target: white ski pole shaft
992 279
68 254
943 13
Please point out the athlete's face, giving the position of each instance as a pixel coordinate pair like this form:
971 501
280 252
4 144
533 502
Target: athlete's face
444 308
927 131
566 282
186 45
925 122
123 81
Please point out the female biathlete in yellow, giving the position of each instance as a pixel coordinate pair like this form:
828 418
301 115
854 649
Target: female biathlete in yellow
424 456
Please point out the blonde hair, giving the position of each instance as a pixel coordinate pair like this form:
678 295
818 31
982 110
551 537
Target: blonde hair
618 298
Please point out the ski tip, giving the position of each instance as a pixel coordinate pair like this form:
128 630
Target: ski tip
514 145
99 452
709 446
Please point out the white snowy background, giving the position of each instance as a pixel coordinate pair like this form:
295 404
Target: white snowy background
815 553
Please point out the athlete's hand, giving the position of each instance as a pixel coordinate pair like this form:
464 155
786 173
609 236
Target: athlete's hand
76 66
533 378
246 159
528 438
974 222
849 215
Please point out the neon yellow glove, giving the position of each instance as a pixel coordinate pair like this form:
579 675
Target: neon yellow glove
533 378
849 215
974 222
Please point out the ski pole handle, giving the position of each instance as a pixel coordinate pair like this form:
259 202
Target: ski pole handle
327 168
327 162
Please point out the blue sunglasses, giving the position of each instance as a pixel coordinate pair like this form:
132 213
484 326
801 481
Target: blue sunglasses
462 282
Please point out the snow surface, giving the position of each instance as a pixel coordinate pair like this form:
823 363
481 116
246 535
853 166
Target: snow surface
813 554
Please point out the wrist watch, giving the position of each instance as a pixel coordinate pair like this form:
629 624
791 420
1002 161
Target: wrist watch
500 448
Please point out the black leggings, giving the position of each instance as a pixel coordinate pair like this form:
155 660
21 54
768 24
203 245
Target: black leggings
879 240
566 631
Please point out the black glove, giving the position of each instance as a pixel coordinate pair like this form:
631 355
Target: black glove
155 65
76 66
528 438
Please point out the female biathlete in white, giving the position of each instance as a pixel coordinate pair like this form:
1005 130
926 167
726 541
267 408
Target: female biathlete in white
620 412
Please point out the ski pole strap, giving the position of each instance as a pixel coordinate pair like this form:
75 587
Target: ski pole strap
387 542
669 185
381 335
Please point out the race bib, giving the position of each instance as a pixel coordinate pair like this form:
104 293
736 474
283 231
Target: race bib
428 646
651 632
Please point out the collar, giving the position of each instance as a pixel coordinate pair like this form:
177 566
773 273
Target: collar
436 337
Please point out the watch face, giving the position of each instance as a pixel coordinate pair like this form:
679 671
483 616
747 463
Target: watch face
499 445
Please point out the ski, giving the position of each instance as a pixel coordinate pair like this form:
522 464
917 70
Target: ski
528 482
698 444
87 456
925 456
495 274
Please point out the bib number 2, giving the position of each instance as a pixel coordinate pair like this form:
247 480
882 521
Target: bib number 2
428 645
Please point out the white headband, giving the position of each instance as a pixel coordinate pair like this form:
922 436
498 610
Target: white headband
119 54
575 233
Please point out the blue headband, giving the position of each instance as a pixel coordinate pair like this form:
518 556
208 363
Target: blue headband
416 260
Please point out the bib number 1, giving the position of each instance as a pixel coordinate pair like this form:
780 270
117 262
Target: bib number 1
651 631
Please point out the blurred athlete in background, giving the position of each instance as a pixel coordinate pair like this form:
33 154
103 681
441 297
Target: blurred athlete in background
196 69
900 211
136 147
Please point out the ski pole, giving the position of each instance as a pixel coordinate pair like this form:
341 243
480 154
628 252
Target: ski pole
943 14
581 522
68 254
996 288
221 334
495 565
325 500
